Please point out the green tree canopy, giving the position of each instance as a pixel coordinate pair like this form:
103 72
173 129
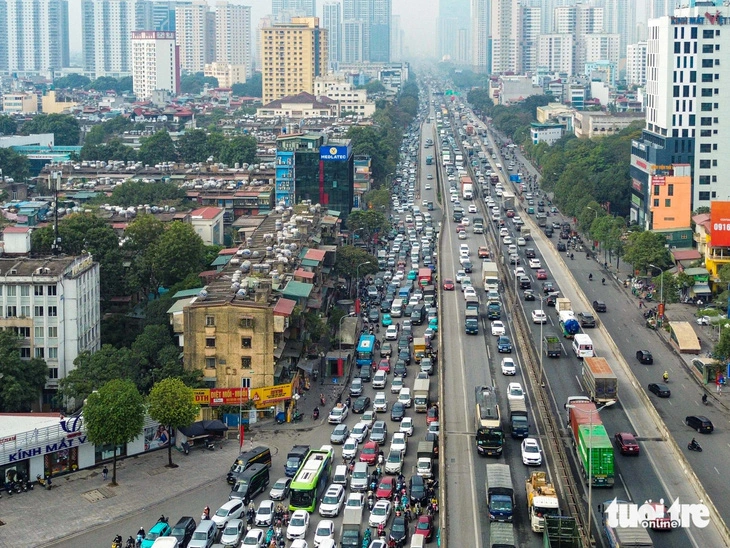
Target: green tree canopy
7 125
251 88
92 371
368 222
348 257
193 84
115 149
22 380
107 83
133 193
65 128
178 252
374 86
113 127
378 199
240 149
192 146
72 81
157 148
14 164
114 416
646 248
172 404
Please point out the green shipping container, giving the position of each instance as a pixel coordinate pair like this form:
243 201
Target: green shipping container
599 447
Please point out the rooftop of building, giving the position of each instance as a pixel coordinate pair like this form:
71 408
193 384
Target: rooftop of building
24 266
302 98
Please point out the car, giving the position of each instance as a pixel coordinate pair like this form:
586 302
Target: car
520 271
530 253
541 274
379 432
356 387
391 333
399 442
380 514
339 434
360 431
373 315
386 348
514 258
535 263
324 531
280 489
702 424
298 524
369 452
230 510
398 411
396 385
399 370
406 426
264 513
424 526
586 319
394 463
461 275
380 403
704 320
508 367
504 231
338 414
254 539
529 295
434 428
599 306
368 417
645 357
385 488
547 287
232 533
448 284
531 453
332 501
525 282
498 328
539 316
483 252
159 529
515 391
386 320
384 365
504 345
626 443
521 241
507 240
469 292
399 531
349 449
361 404
659 389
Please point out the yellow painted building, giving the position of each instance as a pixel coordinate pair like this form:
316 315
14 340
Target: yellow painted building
292 56
671 199
49 104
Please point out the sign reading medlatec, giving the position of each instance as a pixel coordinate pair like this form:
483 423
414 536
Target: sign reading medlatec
720 224
334 153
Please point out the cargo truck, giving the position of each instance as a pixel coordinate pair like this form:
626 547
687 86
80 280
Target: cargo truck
425 454
478 225
490 275
420 394
599 380
500 493
502 535
542 500
624 537
350 530
561 532
541 220
568 323
552 346
525 232
490 438
518 419
471 322
592 445
494 310
508 200
419 349
562 304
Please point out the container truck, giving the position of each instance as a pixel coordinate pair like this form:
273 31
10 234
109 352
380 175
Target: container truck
561 532
424 464
420 394
624 537
471 322
467 188
552 346
508 200
490 437
518 419
568 323
592 445
525 232
542 500
490 275
500 494
561 304
599 380
502 535
350 530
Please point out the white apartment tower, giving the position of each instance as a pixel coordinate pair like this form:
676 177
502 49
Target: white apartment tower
352 41
33 36
332 21
195 31
505 36
156 64
555 53
233 35
530 25
481 53
396 39
636 64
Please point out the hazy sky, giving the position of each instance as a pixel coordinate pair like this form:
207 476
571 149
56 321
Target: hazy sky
418 20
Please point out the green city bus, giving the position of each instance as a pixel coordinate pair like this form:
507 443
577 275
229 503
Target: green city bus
311 479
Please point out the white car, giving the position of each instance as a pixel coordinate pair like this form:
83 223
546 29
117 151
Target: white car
463 235
299 524
368 417
504 231
531 453
355 500
465 282
535 263
406 426
380 403
380 513
391 334
521 241
472 208
254 539
265 513
325 530
538 316
399 442
520 271
461 275
507 240
332 501
464 254
508 366
396 385
349 448
338 414
469 292
280 490
299 543
454 197
497 328
394 462
515 392
465 221
360 431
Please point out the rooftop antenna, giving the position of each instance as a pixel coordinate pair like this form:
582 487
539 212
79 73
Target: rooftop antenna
56 245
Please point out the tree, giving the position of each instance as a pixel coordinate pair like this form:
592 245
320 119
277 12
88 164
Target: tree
700 210
92 371
132 193
378 199
115 149
72 81
172 404
114 415
7 126
239 150
14 164
645 248
192 146
65 128
251 88
721 352
113 127
368 222
157 148
178 252
348 257
193 84
22 380
374 86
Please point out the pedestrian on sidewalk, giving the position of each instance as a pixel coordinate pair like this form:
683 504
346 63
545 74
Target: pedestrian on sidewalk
641 304
105 473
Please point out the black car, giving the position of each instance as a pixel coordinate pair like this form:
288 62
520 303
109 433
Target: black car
399 531
529 295
552 298
587 319
599 306
397 412
183 530
548 232
408 311
405 355
530 253
565 235
645 357
467 266
525 282
385 305
561 246
417 489
399 369
660 390
361 404
547 287
702 424
403 342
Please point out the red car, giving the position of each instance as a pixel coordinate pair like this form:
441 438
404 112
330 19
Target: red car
384 365
448 284
432 415
385 488
424 527
369 453
627 443
460 228
541 274
483 252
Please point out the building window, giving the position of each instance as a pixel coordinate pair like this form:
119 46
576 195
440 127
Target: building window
38 331
706 121
704 196
210 342
53 332
52 352
656 190
704 179
52 311
12 312
245 382
53 372
656 202
38 311
707 48
705 147
670 190
247 322
667 202
11 290
705 164
706 107
210 363
707 33
38 290
245 362
52 290
706 92
25 291
210 321
25 352
707 78
245 342
39 352
707 63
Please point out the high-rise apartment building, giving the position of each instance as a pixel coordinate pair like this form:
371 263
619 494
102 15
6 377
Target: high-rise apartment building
505 36
292 56
163 14
481 50
555 53
636 64
332 22
33 36
453 27
195 30
106 30
601 47
284 10
156 63
530 26
375 16
396 39
233 35
352 41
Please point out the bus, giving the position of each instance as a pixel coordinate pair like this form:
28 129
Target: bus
490 437
311 480
365 350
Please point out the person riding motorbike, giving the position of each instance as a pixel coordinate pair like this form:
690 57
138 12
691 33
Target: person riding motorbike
666 376
704 399
693 443
590 277
603 281
117 542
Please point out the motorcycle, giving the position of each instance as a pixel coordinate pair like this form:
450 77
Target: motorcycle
130 543
209 445
117 542
297 417
45 482
315 413
694 446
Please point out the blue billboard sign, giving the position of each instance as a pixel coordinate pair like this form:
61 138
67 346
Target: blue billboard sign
334 153
285 177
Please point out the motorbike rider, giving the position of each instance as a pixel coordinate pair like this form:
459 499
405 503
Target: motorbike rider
693 443
117 541
590 277
603 281
704 399
206 512
315 413
665 376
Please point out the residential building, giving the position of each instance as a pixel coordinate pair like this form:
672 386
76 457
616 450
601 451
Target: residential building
33 36
546 133
332 22
397 37
284 10
300 107
555 53
481 44
636 64
163 13
53 305
554 112
513 89
453 27
375 16
195 32
529 27
600 47
20 103
363 179
49 104
226 74
605 72
352 41
590 124
208 224
505 36
233 35
671 198
156 63
351 100
292 56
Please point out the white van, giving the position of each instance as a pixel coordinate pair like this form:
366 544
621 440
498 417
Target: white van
396 308
583 346
340 475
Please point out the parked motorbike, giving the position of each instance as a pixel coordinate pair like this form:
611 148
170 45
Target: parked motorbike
45 482
694 446
209 445
297 417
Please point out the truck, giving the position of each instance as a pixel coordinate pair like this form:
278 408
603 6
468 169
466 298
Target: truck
467 188
552 347
490 437
561 532
424 462
420 394
294 459
502 535
541 220
599 380
494 310
568 323
508 200
525 232
493 179
471 322
478 225
500 493
561 304
624 537
542 500
490 275
592 445
419 348
518 419
350 530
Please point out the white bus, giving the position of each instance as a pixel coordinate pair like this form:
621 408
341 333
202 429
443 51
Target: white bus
583 346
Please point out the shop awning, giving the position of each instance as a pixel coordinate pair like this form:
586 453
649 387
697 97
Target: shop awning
701 289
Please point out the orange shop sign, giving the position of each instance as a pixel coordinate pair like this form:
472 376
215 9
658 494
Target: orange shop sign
220 396
268 395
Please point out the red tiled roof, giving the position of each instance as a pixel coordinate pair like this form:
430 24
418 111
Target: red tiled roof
315 254
301 273
686 254
284 307
206 213
16 230
228 251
